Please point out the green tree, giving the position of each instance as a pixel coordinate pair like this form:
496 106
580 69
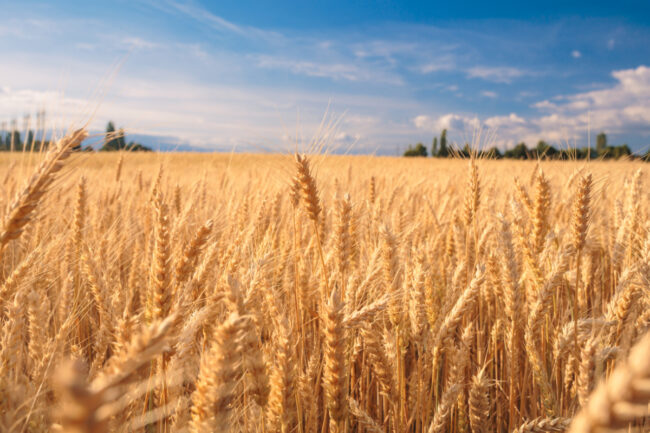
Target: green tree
621 151
493 152
110 141
13 141
418 150
520 151
601 143
121 140
434 146
117 141
29 143
544 149
443 152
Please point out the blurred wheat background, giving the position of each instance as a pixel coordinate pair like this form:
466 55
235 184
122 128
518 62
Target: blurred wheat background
282 293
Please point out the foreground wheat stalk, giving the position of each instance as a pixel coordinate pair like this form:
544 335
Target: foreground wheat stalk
246 294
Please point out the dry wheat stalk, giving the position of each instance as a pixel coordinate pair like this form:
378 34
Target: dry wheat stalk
623 398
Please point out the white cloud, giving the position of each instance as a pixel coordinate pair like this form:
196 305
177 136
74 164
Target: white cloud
611 43
501 74
618 107
621 108
500 121
576 54
435 67
489 94
451 122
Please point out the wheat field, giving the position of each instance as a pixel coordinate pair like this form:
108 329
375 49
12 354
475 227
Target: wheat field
305 294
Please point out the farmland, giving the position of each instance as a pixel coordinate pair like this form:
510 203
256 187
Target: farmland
317 293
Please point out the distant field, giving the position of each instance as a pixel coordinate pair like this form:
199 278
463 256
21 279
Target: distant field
233 292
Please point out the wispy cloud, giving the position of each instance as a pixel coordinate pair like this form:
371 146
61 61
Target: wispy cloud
335 71
211 80
489 94
137 43
499 74
200 14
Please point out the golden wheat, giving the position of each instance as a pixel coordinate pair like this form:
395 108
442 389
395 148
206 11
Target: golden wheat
244 293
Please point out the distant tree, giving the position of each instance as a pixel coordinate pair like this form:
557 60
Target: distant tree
434 146
110 140
29 142
601 143
494 152
14 141
137 147
443 152
520 151
544 149
418 150
117 141
621 151
121 140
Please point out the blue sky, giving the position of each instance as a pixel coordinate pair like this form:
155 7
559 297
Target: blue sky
249 75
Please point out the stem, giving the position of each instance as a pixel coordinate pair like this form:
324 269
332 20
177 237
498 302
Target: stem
322 261
299 321
576 309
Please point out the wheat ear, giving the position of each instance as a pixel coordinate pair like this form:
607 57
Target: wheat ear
622 399
215 386
21 208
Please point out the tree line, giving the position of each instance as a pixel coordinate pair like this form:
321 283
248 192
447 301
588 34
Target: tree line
441 149
114 140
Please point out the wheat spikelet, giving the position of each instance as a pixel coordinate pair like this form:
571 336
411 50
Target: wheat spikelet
193 250
463 305
581 213
334 380
479 403
308 187
343 241
586 371
161 298
622 399
381 365
541 209
372 190
80 212
253 363
281 406
544 425
363 417
215 387
82 408
534 325
443 411
473 193
20 210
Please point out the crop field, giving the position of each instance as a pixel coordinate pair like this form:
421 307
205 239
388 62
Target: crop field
311 293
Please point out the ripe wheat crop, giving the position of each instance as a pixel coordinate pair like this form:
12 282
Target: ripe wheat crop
314 294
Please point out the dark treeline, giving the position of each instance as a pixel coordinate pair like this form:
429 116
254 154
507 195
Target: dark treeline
116 140
113 140
441 149
13 141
